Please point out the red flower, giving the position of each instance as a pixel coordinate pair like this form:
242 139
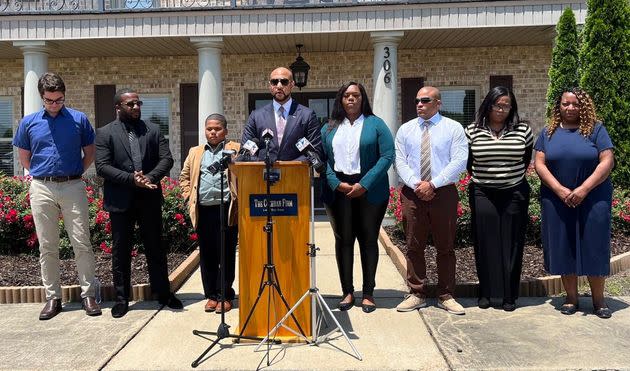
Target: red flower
31 241
11 216
615 202
28 221
193 237
460 210
134 252
105 248
179 216
108 227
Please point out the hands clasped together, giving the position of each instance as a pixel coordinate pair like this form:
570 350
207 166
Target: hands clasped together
142 181
351 191
425 191
572 198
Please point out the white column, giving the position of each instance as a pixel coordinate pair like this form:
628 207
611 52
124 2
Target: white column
385 76
210 82
35 64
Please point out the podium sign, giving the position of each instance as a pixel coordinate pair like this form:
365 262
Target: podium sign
290 201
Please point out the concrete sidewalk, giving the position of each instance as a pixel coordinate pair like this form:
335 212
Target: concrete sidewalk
535 336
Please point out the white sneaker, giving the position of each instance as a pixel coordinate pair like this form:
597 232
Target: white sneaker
451 306
411 302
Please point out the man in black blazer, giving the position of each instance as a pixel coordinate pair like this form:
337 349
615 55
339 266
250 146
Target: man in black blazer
132 156
288 120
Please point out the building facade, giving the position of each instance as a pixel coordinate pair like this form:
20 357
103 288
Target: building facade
189 58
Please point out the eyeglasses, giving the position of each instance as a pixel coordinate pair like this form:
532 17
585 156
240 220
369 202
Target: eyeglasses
501 107
275 82
51 102
424 100
133 103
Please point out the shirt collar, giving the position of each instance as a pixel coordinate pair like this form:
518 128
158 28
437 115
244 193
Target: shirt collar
359 120
218 148
434 119
286 105
63 112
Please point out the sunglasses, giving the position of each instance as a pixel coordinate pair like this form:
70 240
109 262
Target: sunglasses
51 102
424 100
275 82
133 103
502 108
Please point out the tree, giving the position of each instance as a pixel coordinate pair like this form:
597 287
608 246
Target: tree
605 74
563 72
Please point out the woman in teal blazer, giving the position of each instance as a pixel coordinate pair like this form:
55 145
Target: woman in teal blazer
360 149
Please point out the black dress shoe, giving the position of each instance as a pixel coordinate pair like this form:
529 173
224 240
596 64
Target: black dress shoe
172 302
509 306
343 306
603 312
91 306
368 308
120 308
569 309
51 309
483 303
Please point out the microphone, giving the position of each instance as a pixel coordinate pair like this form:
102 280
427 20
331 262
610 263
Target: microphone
223 163
267 135
248 150
306 148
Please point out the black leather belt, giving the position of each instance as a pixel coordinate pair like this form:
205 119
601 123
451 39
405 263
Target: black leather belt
57 179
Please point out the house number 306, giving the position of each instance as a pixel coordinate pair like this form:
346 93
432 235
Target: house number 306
387 66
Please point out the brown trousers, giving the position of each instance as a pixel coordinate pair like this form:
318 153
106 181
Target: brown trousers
439 218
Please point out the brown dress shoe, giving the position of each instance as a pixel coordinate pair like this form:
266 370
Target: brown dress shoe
227 306
91 306
51 309
211 305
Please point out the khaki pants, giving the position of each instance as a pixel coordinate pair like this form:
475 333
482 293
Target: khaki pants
48 199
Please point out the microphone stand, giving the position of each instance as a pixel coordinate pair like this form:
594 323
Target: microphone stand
223 331
313 292
269 268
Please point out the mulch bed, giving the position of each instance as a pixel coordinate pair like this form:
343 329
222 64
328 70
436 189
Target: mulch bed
24 270
467 272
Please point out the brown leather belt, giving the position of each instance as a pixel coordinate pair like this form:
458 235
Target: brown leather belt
57 179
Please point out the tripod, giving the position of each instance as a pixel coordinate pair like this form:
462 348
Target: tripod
316 296
223 331
271 283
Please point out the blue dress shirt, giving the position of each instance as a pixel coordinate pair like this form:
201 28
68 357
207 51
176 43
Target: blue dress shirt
55 143
449 151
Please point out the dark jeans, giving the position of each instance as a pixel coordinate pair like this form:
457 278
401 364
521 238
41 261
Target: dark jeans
209 233
148 214
438 217
356 218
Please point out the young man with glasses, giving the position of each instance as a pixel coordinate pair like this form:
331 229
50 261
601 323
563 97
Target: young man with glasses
288 120
56 145
431 153
133 157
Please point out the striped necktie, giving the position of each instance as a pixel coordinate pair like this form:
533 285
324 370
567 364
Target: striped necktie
282 123
425 153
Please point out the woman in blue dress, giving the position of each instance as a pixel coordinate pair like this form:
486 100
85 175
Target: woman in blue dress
574 158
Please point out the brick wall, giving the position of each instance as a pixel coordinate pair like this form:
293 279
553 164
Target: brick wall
244 74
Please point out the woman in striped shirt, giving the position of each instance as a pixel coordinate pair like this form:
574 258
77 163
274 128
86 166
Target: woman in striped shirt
500 146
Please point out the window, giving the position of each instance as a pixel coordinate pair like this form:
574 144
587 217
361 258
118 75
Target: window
157 109
459 103
6 136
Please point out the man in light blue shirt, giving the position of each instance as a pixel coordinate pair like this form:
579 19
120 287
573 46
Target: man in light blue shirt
431 153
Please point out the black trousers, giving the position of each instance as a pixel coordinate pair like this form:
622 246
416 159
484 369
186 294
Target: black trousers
148 214
499 222
356 218
209 233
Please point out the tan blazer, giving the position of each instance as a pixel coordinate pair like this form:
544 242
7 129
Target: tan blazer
189 182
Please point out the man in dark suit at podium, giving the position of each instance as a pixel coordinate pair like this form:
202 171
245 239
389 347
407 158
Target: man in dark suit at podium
288 120
133 156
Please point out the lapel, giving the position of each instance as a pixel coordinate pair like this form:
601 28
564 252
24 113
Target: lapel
290 127
123 136
328 141
271 116
196 165
142 138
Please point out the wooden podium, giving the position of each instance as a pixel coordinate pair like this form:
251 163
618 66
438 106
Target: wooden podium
291 216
